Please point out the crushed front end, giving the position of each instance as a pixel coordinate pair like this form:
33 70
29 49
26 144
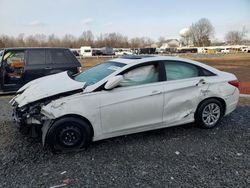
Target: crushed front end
28 118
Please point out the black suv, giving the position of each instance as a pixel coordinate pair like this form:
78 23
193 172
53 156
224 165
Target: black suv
21 65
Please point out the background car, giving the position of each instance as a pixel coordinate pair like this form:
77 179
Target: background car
21 65
124 96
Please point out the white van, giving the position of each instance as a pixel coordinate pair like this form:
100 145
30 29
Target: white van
86 51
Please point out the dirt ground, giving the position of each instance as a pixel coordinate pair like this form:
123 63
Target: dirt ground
238 64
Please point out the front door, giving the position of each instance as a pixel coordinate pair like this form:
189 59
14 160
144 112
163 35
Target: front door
12 68
136 105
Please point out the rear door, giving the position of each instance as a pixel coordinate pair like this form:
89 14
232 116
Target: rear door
183 91
36 65
61 60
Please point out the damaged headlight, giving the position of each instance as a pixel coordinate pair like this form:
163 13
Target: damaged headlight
34 110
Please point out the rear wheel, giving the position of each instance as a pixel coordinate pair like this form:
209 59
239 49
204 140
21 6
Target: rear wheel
69 134
209 113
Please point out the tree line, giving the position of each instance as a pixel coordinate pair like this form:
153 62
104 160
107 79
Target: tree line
115 40
200 33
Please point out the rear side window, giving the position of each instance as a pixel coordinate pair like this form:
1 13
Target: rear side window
205 72
180 70
36 56
59 56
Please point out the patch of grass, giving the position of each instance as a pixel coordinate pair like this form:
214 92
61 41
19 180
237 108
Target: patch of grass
244 101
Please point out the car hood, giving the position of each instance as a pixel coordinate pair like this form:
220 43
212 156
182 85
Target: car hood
45 87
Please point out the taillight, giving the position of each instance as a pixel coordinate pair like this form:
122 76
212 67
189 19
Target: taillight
234 83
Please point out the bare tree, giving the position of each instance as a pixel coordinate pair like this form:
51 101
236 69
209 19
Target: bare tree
1 44
86 39
68 41
53 41
140 42
236 37
201 32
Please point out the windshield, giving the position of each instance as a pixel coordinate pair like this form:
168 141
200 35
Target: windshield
97 73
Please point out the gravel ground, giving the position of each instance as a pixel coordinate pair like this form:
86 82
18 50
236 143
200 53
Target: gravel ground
184 156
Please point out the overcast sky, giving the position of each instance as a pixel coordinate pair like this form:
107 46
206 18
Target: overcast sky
151 18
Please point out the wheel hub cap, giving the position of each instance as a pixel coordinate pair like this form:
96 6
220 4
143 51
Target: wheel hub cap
70 136
211 114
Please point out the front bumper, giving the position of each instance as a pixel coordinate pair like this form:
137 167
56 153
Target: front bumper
26 123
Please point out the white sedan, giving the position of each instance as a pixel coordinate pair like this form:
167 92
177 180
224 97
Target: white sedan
123 96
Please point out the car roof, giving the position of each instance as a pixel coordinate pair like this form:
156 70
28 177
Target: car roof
30 48
128 59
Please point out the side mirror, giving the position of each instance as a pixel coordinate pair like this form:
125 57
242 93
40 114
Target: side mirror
113 82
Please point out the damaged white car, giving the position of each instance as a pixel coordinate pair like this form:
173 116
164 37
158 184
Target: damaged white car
123 96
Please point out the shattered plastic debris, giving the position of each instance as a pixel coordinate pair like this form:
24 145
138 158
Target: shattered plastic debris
63 172
177 153
56 186
239 154
66 181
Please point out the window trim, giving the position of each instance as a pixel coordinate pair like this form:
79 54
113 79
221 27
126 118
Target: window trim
159 67
161 76
199 69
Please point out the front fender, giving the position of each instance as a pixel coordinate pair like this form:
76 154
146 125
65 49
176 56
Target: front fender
47 124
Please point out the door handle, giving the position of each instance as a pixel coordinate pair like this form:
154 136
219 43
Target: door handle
47 68
155 92
201 82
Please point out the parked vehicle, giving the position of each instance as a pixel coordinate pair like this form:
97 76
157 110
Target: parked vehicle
124 96
96 52
147 51
21 65
190 50
121 52
245 49
86 51
107 51
225 51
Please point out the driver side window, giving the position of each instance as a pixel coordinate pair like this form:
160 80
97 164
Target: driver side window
141 75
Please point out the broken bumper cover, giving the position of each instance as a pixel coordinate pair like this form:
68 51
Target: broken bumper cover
16 118
25 117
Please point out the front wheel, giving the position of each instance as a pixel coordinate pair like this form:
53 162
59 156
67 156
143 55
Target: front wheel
209 113
68 134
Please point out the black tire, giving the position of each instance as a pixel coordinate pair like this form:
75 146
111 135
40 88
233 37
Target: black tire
201 116
68 134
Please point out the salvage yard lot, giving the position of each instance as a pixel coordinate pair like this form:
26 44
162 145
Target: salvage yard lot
184 156
173 157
